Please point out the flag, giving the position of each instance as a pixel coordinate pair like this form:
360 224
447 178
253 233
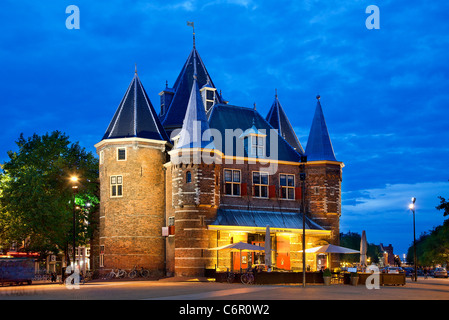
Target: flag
190 23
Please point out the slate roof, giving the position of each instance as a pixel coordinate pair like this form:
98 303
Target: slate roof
279 120
225 116
195 125
319 145
256 218
174 116
135 116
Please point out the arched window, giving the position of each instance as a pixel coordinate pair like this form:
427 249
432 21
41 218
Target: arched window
188 177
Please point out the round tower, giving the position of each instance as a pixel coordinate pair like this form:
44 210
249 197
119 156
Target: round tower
132 155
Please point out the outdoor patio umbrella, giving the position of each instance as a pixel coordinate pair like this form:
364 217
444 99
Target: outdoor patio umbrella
363 247
330 248
268 248
239 247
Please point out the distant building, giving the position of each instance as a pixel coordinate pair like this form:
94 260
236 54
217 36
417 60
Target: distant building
388 254
162 209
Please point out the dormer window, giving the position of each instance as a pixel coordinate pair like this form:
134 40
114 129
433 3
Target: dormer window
257 146
255 142
208 94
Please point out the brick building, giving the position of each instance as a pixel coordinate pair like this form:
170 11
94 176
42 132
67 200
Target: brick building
204 173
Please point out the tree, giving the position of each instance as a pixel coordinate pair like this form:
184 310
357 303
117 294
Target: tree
36 198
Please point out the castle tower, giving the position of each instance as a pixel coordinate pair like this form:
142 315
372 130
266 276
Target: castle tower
195 191
324 175
132 187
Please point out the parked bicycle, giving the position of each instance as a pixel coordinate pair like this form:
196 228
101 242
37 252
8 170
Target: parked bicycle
144 273
120 273
247 277
230 276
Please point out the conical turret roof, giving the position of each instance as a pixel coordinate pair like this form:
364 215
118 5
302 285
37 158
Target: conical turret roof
135 116
279 120
182 88
319 145
194 132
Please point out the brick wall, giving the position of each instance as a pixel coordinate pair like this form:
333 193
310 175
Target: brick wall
130 225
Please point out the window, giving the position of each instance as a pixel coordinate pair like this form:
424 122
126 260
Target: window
116 186
287 183
188 177
257 146
316 190
101 156
232 182
121 154
171 221
101 256
260 184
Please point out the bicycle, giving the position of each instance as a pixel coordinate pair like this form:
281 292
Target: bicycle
230 276
144 273
247 277
119 274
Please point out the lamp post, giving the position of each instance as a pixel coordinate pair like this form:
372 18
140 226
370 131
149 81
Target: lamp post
74 180
415 260
302 176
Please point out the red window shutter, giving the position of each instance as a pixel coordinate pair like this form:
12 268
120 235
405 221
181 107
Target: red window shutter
171 230
244 189
298 193
272 191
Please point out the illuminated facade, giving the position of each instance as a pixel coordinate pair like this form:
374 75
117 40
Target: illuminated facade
204 173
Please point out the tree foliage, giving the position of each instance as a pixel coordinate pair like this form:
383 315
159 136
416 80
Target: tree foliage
36 196
432 248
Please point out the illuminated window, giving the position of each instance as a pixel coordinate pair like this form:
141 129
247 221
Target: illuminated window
188 177
116 186
287 184
258 146
260 184
232 182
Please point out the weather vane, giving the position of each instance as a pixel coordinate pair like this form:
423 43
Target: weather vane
191 24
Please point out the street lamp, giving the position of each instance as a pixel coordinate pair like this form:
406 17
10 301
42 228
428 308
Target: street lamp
412 208
74 180
302 177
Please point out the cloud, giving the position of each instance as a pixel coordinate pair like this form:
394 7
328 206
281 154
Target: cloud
384 213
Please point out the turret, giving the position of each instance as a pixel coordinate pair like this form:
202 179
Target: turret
132 209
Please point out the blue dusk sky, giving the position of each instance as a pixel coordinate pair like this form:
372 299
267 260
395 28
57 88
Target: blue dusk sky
384 92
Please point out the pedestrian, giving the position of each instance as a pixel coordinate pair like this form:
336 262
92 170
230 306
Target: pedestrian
425 273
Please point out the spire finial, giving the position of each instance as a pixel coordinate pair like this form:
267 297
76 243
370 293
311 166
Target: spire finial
135 68
254 106
318 97
275 93
192 24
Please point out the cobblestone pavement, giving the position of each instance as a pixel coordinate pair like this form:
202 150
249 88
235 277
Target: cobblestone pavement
180 289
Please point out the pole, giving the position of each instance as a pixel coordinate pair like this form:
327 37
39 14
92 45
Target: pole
303 184
74 226
415 262
415 258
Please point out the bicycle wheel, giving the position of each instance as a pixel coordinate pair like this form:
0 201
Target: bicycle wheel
132 274
145 273
230 278
244 278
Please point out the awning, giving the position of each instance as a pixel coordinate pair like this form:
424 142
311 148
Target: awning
257 221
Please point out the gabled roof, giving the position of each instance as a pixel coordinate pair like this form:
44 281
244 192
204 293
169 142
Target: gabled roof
135 116
234 118
319 145
195 126
279 120
175 113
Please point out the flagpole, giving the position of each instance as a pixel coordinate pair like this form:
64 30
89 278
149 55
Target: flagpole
192 24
